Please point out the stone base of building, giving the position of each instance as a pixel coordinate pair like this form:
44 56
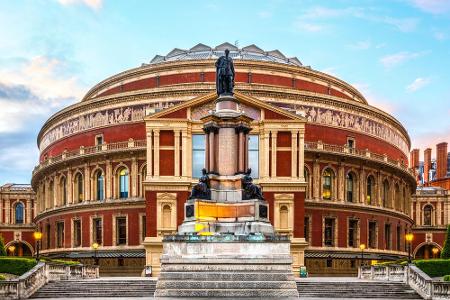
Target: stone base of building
153 251
298 246
226 266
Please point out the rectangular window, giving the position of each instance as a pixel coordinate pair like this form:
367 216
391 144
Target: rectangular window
60 235
387 236
198 154
329 232
97 231
253 154
306 232
399 238
77 233
353 233
144 227
121 230
372 235
329 263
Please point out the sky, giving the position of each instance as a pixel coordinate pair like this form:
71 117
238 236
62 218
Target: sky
397 53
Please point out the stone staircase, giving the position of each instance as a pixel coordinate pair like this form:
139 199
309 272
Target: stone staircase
104 287
214 278
335 288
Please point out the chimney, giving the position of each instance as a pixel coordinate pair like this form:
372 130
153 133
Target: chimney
441 160
426 164
414 159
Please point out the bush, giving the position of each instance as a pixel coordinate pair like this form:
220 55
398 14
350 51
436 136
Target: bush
446 278
60 261
445 253
2 246
16 265
402 261
2 277
434 267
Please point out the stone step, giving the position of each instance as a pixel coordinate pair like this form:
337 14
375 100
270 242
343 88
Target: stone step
224 268
229 293
244 276
214 285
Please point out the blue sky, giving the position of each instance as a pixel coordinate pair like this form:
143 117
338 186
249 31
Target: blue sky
397 53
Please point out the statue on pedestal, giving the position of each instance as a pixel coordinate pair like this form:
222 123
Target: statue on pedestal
202 189
250 190
225 74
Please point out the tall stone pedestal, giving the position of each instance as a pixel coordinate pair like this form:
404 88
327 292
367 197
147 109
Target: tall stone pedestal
228 266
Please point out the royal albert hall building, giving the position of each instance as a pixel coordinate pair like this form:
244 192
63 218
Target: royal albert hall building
117 167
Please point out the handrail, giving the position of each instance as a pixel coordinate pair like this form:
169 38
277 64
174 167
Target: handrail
27 284
412 275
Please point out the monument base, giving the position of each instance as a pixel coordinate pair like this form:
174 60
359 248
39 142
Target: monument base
232 266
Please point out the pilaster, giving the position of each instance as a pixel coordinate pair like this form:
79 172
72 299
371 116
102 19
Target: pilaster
28 212
69 185
185 153
274 154
301 156
341 183
294 153
176 134
149 154
109 179
134 177
156 152
86 177
316 181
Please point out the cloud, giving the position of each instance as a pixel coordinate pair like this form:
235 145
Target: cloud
376 100
440 36
309 27
432 6
331 71
361 45
393 60
417 84
93 4
264 14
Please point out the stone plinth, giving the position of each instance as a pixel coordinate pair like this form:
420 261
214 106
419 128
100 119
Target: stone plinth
230 266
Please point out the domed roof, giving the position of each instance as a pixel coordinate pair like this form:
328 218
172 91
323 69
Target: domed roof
251 52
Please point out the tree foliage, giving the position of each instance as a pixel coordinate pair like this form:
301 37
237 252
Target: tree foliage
2 246
445 253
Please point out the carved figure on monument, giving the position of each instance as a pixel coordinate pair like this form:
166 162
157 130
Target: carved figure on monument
250 190
202 189
225 74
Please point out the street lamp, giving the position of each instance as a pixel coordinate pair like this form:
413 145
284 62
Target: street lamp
95 247
11 249
362 247
435 252
409 237
37 237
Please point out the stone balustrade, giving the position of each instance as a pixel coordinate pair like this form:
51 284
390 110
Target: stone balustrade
27 284
413 276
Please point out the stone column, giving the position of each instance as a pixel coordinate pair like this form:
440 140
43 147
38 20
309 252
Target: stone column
301 156
55 192
294 153
274 154
316 180
379 190
87 181
7 210
108 179
149 154
185 152
438 213
176 134
241 160
362 187
341 183
134 177
28 214
69 186
156 151
418 220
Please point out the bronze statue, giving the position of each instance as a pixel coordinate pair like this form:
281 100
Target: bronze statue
225 74
202 189
250 190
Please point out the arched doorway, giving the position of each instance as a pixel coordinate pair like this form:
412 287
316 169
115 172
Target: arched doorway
425 251
19 248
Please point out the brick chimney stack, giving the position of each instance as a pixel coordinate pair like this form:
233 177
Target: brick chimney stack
414 158
441 160
426 164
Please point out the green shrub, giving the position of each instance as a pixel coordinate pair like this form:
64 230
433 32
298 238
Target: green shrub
16 265
60 261
445 253
434 267
2 277
402 261
2 246
446 278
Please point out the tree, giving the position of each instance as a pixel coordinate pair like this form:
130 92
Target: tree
2 246
445 253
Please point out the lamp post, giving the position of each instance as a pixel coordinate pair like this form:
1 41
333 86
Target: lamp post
95 247
37 237
435 252
362 247
11 249
409 237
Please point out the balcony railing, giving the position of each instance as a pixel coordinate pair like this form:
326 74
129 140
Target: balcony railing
83 151
366 154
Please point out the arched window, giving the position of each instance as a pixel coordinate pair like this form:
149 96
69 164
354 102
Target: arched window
427 215
123 183
284 217
19 213
370 189
99 184
63 189
385 193
350 183
327 184
166 216
79 195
